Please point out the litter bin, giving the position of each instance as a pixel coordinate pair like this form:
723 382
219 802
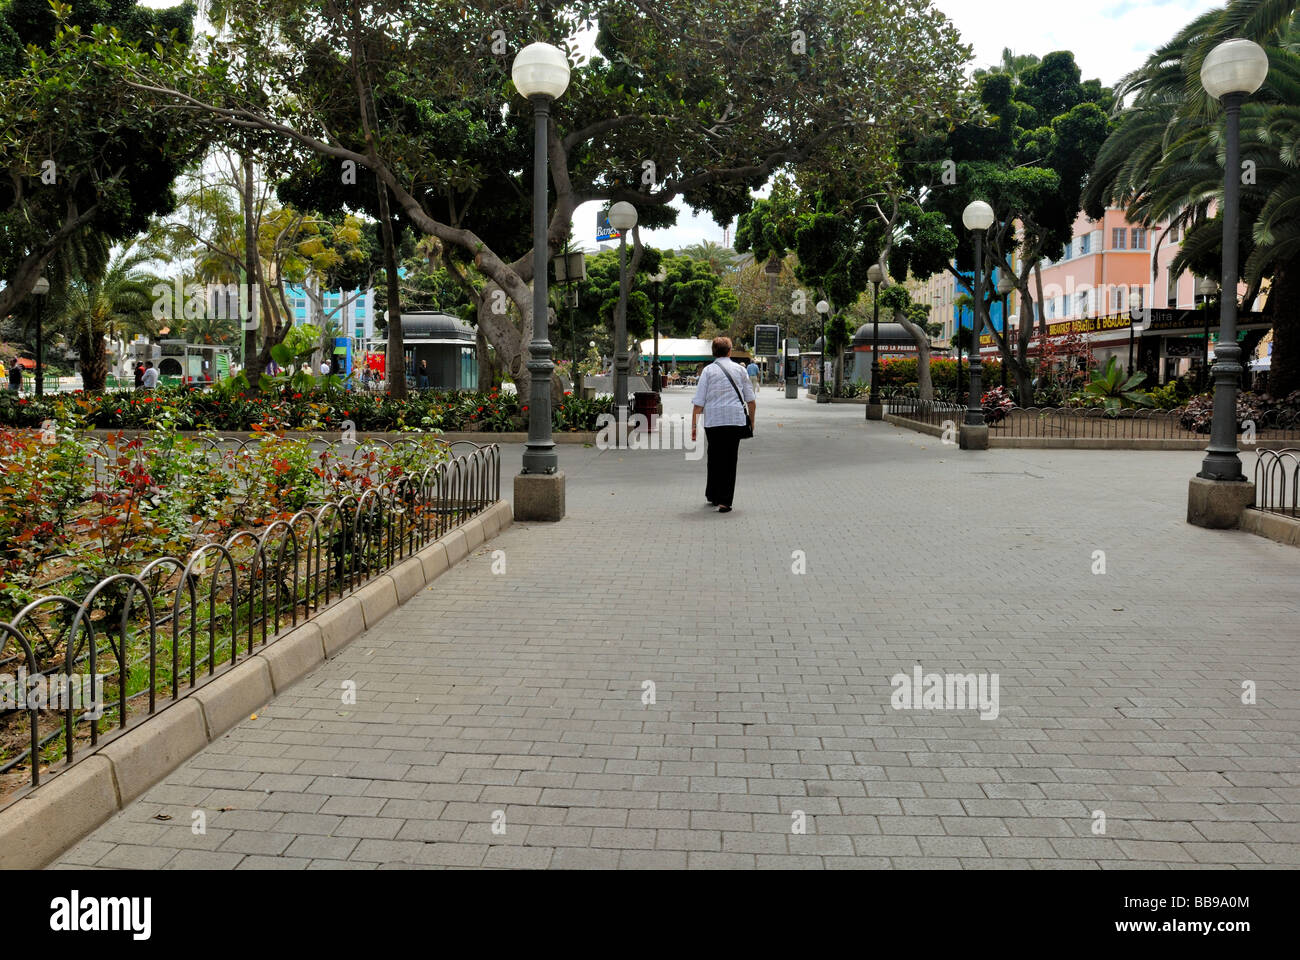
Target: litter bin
647 404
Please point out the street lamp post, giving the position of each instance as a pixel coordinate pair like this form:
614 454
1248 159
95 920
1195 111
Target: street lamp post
875 410
1134 312
977 218
1005 286
1231 72
622 217
823 308
1207 289
39 289
656 382
541 74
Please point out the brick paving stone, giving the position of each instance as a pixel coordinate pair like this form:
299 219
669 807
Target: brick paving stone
522 692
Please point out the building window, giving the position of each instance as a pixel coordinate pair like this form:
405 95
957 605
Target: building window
1117 238
1117 299
1085 245
1139 238
1172 291
1173 234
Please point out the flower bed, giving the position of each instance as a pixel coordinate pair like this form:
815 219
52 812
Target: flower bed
151 563
320 410
74 511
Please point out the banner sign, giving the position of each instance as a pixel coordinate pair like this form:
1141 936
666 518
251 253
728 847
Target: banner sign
603 229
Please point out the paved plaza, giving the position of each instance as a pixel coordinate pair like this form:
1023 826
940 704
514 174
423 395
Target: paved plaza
501 718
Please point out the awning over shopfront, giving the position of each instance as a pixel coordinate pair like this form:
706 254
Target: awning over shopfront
683 350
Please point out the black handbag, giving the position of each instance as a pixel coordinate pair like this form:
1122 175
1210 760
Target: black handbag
749 424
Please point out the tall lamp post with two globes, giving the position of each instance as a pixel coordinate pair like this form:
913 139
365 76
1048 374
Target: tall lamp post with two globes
1216 496
541 74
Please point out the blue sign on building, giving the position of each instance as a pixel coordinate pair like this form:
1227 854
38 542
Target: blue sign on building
964 316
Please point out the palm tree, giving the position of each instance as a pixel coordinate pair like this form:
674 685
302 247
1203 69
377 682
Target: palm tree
1012 64
1163 162
720 259
115 301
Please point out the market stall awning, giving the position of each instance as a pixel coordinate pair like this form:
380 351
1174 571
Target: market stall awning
685 350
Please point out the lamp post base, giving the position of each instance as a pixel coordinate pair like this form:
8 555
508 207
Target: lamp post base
973 436
539 496
823 396
875 411
1217 504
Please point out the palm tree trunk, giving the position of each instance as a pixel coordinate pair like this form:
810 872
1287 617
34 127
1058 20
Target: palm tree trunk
94 360
1284 372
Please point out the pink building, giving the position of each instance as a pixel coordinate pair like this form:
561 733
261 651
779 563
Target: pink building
1112 286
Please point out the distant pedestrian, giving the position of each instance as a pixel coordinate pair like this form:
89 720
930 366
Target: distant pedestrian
325 368
139 375
422 380
752 370
16 377
726 398
150 378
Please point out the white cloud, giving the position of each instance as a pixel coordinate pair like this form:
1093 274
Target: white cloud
1109 39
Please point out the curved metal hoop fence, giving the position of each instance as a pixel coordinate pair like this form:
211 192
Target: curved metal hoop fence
1090 422
1277 482
73 670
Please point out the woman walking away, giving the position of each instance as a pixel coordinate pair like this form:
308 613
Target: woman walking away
726 398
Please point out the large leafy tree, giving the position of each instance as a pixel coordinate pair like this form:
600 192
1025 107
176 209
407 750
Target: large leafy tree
837 238
82 151
1164 163
291 246
1027 152
692 298
697 101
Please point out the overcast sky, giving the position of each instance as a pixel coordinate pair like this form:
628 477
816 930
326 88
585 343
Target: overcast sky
1109 38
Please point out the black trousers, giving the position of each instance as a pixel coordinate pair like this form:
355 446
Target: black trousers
724 448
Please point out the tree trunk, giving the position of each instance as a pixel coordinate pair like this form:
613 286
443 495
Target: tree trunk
924 385
395 365
485 375
496 328
254 364
94 360
1284 372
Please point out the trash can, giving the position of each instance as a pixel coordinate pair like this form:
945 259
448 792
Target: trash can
647 404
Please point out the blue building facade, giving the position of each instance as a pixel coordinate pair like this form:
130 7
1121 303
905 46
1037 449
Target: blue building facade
352 310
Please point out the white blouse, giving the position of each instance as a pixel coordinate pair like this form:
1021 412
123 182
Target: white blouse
721 406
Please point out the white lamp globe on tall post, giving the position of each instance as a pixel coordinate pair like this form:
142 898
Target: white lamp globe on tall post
977 218
541 73
823 308
1006 287
622 217
1230 73
40 289
875 409
656 381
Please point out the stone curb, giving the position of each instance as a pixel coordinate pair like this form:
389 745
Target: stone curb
1274 526
37 827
